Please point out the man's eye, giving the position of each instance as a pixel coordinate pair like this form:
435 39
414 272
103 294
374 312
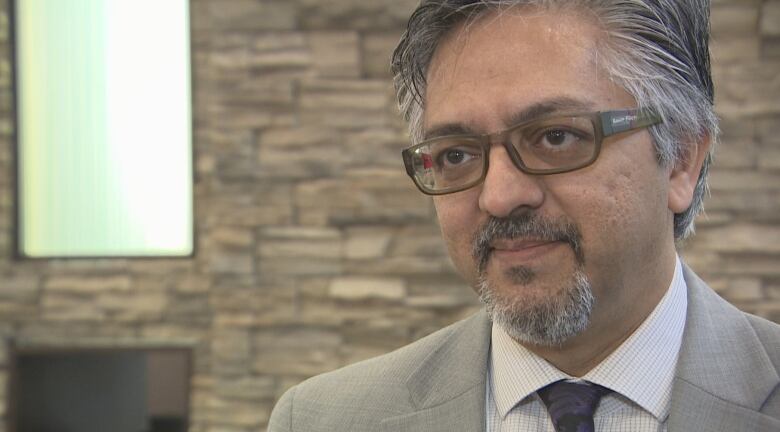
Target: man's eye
559 139
455 156
556 137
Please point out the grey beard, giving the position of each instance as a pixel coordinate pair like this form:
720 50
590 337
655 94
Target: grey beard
550 323
556 319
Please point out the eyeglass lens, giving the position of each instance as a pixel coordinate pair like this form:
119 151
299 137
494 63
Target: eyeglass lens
546 145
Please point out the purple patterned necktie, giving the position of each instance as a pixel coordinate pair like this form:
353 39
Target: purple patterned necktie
571 404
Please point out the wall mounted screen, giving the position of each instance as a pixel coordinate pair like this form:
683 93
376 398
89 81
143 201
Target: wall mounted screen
104 128
116 390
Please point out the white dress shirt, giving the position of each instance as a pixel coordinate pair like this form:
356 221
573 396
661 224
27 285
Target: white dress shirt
640 372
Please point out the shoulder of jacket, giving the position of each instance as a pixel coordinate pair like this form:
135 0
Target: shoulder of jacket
355 396
768 333
395 366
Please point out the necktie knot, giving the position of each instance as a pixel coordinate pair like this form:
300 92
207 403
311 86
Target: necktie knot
571 404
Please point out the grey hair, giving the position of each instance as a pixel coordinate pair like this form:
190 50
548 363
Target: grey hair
657 50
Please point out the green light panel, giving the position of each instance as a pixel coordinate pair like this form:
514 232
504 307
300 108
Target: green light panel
104 128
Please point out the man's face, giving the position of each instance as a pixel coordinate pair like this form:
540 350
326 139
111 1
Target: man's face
608 223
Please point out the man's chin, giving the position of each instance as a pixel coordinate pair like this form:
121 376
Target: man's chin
539 315
527 285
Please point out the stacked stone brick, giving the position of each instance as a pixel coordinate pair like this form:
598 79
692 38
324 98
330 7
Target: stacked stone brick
736 246
314 250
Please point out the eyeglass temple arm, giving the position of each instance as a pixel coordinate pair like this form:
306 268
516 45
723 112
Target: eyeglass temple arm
615 122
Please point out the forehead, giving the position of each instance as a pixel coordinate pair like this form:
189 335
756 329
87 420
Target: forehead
485 70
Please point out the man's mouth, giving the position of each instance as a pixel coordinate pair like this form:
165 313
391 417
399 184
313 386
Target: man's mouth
524 238
517 251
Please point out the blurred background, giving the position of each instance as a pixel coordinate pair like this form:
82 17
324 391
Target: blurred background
313 249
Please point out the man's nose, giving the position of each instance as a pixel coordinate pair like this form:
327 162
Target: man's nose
507 189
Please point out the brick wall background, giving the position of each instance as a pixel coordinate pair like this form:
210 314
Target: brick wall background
314 250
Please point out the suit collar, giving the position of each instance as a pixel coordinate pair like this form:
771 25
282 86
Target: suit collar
724 374
448 388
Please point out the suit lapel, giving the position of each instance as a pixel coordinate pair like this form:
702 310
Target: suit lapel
724 374
464 413
448 388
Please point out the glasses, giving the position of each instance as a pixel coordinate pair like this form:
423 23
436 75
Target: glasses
548 145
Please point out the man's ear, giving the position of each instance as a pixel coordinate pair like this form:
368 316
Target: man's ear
685 174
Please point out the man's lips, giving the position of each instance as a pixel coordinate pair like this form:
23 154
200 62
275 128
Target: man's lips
522 250
524 236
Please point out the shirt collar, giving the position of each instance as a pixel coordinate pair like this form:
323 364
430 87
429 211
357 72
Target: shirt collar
641 368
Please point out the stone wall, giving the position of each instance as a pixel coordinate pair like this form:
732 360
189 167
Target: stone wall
737 246
314 250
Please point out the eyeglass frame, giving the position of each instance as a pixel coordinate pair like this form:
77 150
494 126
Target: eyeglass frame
605 124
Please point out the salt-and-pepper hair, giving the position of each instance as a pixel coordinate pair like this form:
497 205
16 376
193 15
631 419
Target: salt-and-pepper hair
657 50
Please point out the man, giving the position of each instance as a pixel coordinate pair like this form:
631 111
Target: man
566 145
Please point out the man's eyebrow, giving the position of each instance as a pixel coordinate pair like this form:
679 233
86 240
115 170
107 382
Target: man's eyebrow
548 106
448 129
536 110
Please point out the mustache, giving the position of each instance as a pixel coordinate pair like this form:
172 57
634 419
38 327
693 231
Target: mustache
525 225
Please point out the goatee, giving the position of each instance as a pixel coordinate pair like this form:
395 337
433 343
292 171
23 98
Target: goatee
550 322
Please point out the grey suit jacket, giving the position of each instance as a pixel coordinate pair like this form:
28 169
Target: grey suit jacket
726 380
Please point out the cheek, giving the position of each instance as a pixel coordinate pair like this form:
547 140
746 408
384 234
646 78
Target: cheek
625 213
458 221
619 205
